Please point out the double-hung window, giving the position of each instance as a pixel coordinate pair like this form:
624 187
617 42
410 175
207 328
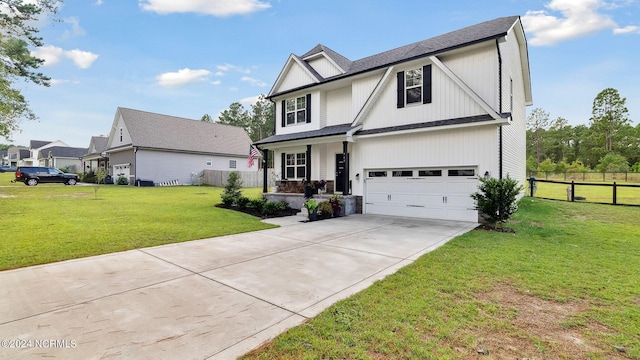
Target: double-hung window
296 110
414 86
296 166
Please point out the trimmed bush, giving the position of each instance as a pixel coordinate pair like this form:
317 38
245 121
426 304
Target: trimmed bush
242 202
497 199
272 207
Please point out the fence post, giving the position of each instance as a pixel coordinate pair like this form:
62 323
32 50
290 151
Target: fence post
573 191
615 194
531 180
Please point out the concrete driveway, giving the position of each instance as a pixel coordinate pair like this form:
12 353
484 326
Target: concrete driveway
207 299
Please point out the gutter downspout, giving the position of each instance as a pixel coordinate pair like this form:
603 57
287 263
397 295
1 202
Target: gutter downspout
499 108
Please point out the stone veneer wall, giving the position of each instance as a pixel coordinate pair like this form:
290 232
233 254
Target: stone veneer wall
296 201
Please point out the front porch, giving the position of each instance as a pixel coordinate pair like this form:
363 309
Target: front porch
352 203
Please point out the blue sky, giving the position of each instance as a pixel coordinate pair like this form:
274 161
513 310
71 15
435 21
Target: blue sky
188 58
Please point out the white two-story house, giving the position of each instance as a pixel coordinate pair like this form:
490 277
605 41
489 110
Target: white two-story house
409 131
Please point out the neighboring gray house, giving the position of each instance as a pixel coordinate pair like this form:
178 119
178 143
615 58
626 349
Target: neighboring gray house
162 148
62 157
4 157
408 131
17 154
96 157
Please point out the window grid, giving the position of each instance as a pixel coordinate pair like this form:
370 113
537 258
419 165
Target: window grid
413 86
296 110
296 166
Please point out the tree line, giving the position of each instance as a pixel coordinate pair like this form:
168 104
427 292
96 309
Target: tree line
609 143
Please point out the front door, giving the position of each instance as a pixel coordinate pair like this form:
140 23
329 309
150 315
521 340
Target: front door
340 172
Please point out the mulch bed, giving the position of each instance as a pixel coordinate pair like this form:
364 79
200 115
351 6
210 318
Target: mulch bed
286 212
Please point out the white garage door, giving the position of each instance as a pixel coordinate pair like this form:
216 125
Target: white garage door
442 193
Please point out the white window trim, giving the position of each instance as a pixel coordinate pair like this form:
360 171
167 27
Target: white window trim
209 162
233 164
295 111
408 87
295 166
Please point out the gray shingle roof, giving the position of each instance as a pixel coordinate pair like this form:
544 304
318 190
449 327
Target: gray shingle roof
63 151
157 131
463 37
36 144
325 131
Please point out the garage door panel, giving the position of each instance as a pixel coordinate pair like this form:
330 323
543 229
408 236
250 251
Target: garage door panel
441 197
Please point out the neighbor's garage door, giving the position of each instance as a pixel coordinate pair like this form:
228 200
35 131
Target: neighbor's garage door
425 193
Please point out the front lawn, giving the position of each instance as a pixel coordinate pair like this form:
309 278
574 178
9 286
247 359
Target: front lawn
565 286
54 222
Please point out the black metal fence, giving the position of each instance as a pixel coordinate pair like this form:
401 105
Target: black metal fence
599 193
627 176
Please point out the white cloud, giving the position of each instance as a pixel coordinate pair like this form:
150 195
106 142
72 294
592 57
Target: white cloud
253 81
182 77
76 29
220 8
249 101
50 54
98 3
83 59
579 18
217 82
631 29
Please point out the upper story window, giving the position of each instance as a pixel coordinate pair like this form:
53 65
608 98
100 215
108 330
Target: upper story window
414 86
296 110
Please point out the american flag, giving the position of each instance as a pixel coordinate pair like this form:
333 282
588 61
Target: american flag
253 152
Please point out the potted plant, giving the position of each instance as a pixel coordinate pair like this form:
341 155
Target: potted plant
337 203
309 189
325 210
312 207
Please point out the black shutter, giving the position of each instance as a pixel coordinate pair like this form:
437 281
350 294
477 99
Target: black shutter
283 170
284 113
426 84
308 108
400 76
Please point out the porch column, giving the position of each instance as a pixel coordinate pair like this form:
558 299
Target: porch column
345 153
265 161
308 163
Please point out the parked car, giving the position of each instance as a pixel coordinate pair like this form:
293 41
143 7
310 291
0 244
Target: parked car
7 168
32 175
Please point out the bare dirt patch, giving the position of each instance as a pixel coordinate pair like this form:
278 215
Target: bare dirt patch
540 329
73 195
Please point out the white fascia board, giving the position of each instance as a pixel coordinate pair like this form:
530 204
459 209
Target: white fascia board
287 66
373 97
465 87
303 142
517 29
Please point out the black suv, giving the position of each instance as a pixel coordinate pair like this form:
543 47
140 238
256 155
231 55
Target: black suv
32 175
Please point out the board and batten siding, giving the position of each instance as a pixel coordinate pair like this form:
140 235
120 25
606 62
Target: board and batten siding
295 77
324 67
362 90
164 166
472 146
478 68
338 106
449 101
513 134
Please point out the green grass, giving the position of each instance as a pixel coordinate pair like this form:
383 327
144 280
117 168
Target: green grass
53 222
570 271
595 194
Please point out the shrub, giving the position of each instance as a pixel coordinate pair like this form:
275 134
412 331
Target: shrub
122 181
497 199
242 202
227 200
232 189
272 207
89 177
256 204
325 209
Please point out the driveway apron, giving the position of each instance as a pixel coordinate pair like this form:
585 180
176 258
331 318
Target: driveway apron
215 298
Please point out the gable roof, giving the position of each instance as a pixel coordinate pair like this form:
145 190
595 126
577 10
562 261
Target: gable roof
474 34
98 145
165 132
36 144
63 151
